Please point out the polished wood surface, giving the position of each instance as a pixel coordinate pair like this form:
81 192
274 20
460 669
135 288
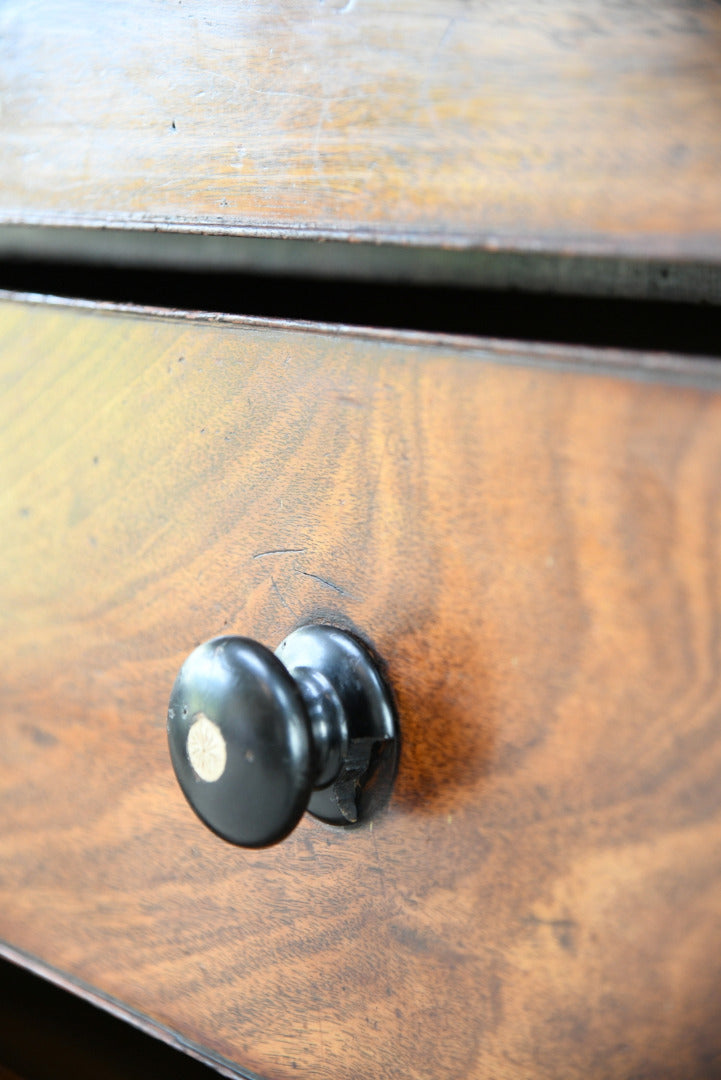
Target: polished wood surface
530 537
573 126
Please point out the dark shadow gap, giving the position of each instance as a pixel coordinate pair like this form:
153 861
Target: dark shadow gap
628 324
50 1034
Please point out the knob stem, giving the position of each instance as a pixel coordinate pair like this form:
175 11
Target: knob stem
328 724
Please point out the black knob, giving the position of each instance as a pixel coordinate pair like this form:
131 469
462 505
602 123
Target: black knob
256 738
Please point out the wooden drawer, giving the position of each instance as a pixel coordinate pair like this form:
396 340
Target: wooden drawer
573 145
528 536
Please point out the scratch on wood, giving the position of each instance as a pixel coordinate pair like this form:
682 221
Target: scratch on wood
261 90
278 551
280 596
346 399
444 36
329 584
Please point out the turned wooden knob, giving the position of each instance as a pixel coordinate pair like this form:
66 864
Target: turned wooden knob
256 737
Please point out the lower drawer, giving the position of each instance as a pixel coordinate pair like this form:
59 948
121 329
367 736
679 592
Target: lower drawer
531 539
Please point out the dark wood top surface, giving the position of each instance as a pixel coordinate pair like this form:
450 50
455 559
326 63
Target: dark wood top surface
578 126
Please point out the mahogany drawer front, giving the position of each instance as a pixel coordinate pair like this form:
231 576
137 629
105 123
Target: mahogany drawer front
531 539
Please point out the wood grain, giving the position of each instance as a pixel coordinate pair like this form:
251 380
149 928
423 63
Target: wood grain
530 537
577 126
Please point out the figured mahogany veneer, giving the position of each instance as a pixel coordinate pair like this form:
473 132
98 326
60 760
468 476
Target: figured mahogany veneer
530 537
577 126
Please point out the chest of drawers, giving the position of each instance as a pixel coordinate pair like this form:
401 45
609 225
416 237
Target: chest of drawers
526 533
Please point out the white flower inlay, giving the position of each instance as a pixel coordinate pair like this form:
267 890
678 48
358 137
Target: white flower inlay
206 748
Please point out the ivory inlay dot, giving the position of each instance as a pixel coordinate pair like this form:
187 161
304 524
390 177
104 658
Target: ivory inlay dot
206 748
